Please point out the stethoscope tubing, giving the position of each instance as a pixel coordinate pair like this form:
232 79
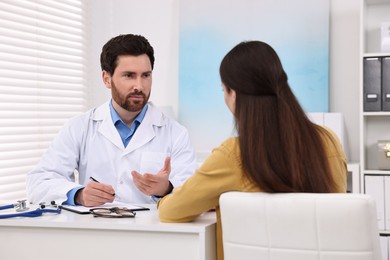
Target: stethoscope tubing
31 214
7 206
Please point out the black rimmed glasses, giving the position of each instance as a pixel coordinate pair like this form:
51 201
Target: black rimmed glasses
112 212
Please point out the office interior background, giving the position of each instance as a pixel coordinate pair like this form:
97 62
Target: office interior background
159 22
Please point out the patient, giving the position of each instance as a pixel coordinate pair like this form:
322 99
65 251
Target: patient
278 149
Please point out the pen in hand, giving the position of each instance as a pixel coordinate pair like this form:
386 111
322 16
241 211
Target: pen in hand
93 179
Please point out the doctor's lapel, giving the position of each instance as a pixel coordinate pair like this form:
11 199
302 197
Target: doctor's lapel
146 130
107 128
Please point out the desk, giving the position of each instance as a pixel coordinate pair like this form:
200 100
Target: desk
73 236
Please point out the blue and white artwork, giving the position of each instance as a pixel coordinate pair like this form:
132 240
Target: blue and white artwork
297 29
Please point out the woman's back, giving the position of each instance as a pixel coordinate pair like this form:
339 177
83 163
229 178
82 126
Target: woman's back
278 149
222 172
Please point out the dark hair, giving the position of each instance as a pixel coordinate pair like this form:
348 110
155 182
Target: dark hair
126 44
281 149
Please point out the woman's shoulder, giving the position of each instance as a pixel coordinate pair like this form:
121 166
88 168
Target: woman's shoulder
227 150
331 140
231 144
327 133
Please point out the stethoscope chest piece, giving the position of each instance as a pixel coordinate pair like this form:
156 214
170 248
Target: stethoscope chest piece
21 206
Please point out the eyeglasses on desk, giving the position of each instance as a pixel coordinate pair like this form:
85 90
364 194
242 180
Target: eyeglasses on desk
114 212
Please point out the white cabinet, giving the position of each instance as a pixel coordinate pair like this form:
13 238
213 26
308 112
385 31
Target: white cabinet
384 243
379 188
374 125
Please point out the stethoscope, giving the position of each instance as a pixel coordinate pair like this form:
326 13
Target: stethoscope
21 208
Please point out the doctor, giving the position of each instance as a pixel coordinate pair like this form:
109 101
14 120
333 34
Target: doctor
134 152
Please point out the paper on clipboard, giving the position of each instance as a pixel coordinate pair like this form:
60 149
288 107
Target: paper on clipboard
86 210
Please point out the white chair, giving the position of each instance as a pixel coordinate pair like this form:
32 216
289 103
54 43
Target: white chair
299 226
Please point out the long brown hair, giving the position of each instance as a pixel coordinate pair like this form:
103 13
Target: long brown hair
281 149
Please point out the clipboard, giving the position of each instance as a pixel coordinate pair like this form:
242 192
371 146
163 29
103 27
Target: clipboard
87 210
76 209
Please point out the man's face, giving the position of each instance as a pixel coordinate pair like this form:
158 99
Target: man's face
131 83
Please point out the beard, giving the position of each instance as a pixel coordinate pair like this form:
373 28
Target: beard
126 102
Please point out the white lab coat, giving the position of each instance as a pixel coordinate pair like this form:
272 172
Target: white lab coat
91 145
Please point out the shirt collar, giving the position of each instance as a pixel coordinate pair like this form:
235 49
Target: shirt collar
115 117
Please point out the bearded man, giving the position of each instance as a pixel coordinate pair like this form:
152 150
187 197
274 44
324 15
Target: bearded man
136 153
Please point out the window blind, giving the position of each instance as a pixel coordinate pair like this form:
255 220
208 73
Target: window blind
42 82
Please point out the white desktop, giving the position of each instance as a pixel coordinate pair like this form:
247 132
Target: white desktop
70 235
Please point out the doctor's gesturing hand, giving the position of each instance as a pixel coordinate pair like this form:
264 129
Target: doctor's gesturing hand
95 194
154 184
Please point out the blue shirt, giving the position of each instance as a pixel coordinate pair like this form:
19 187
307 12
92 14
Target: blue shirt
125 132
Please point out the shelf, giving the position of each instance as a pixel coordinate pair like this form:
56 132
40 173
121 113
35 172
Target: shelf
384 232
377 2
376 54
376 172
374 14
375 125
379 113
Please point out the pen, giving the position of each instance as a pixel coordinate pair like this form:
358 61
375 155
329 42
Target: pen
93 179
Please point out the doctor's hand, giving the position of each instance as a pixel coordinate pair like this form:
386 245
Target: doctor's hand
154 184
95 194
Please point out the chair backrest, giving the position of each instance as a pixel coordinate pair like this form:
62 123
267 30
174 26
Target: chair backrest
299 226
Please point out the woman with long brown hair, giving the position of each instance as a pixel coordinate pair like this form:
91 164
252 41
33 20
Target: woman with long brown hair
278 149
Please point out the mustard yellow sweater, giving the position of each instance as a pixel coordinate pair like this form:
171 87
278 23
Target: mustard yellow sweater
222 172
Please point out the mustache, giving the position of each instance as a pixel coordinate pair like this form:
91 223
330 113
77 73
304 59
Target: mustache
136 93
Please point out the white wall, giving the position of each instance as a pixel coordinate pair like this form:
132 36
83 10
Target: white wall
158 21
344 68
